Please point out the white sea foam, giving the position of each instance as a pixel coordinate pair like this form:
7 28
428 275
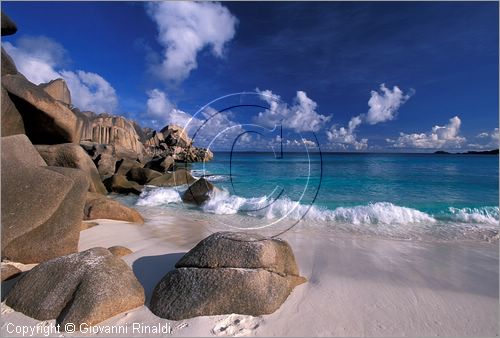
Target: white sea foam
483 215
382 217
158 196
373 213
223 203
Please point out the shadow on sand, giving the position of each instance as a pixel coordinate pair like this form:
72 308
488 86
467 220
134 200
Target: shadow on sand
149 270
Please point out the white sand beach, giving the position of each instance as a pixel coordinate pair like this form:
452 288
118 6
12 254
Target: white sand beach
356 286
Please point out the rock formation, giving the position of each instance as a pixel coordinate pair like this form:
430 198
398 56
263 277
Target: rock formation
120 184
173 141
71 155
58 90
86 287
142 175
178 177
113 130
228 273
101 207
12 122
46 120
8 65
8 26
41 205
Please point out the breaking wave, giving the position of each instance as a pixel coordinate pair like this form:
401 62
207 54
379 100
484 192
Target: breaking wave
158 196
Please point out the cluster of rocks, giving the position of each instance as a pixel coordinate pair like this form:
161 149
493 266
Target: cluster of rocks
59 164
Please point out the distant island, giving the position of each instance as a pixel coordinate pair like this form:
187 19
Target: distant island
470 152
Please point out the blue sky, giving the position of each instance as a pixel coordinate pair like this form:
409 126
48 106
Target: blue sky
369 76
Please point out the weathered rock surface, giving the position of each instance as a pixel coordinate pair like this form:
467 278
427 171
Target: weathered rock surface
173 141
70 155
142 175
120 251
241 250
9 271
198 192
41 206
120 184
101 207
86 287
12 122
228 273
161 164
103 156
124 165
58 90
8 65
46 121
112 130
178 177
8 26
87 225
176 136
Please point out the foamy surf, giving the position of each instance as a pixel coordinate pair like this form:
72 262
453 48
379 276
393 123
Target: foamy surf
374 213
152 196
483 215
224 203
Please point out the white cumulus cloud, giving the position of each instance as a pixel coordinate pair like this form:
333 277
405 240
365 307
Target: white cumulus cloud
384 105
40 59
446 136
185 28
346 137
301 116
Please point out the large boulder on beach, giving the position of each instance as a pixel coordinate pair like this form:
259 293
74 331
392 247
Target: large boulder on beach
243 250
198 192
86 287
142 175
12 122
228 273
41 205
101 207
70 155
171 179
120 184
8 26
58 90
46 121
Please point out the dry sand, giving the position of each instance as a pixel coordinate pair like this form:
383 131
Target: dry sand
357 286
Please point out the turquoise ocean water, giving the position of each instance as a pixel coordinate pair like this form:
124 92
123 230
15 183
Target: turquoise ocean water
404 196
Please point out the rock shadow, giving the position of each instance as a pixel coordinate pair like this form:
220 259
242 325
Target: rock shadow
149 270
